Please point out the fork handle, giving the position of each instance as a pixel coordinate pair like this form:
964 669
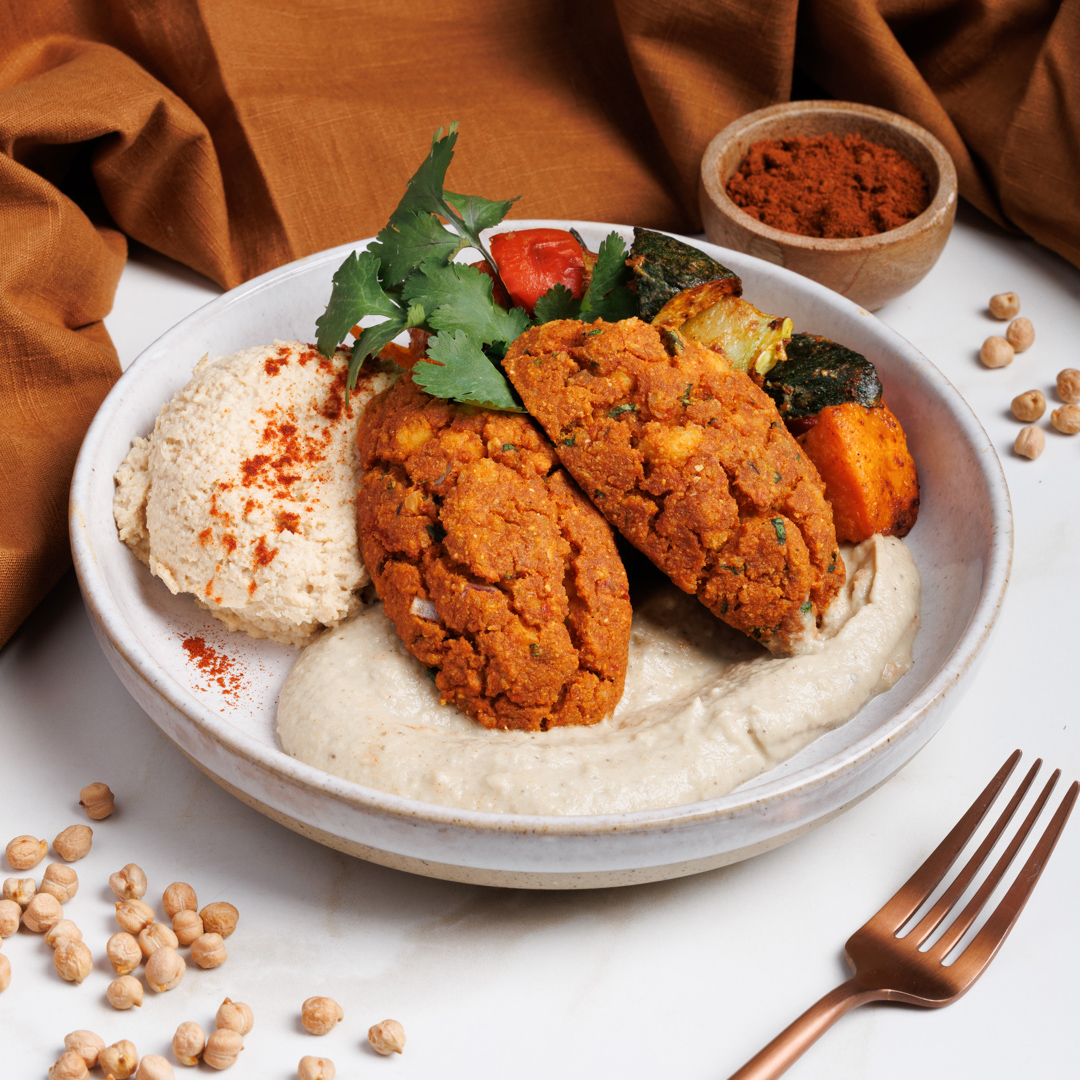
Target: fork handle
790 1044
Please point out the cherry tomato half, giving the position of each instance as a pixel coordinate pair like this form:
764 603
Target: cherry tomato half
530 261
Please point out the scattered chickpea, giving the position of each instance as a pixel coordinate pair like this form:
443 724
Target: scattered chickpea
129 883
219 918
97 800
20 889
1030 442
320 1014
63 933
208 951
164 969
235 1016
179 896
1068 386
73 843
996 352
86 1044
25 852
10 917
187 926
133 915
5 972
61 881
125 992
69 1067
1020 334
315 1068
42 913
223 1048
73 961
1029 406
387 1037
123 952
157 936
154 1067
188 1043
1005 305
121 1059
1066 419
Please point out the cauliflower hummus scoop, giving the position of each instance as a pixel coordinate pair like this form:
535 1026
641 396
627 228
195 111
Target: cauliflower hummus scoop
244 493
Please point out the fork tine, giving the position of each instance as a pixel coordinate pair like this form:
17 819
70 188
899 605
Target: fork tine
984 946
932 919
956 930
922 883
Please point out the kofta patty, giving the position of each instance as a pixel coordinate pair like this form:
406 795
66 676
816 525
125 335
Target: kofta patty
494 569
690 461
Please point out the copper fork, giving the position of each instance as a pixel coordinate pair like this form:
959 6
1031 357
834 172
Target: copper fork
888 967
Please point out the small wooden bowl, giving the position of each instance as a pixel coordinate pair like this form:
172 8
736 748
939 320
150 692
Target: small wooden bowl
868 269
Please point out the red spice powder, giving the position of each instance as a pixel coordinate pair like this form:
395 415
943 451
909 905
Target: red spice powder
828 186
216 667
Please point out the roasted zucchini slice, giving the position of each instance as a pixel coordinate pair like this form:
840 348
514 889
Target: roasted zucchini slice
751 340
818 373
664 266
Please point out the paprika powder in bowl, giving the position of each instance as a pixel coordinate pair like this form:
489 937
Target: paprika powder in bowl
870 270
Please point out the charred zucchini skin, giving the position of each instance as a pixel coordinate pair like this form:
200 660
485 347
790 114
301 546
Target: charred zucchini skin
664 266
818 373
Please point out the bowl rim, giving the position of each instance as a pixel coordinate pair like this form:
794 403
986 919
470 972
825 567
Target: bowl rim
941 205
273 760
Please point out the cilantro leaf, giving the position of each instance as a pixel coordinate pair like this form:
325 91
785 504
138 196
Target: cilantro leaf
408 240
356 293
606 298
465 374
478 213
458 297
371 340
424 191
557 303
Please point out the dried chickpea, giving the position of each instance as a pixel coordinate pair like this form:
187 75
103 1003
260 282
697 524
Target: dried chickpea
5 972
219 918
74 842
129 883
42 913
188 1043
387 1037
133 915
1005 305
73 961
1029 406
1030 442
154 1067
1068 386
123 952
315 1068
157 936
69 1067
61 881
187 926
10 916
208 951
1066 419
20 889
25 852
165 968
97 800
125 993
179 896
86 1044
62 933
319 1015
996 352
235 1016
1020 334
121 1059
223 1048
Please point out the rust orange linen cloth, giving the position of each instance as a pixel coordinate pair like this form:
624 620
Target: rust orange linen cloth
235 135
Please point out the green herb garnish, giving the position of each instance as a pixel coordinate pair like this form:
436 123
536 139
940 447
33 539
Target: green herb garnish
620 409
781 532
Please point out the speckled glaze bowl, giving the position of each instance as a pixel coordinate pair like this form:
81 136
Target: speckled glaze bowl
870 270
962 544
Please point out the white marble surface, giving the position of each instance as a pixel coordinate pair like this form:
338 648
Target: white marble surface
686 978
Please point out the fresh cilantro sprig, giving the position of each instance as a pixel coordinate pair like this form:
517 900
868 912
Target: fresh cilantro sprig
606 297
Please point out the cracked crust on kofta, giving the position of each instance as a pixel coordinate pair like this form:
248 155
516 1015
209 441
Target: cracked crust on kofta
690 461
492 566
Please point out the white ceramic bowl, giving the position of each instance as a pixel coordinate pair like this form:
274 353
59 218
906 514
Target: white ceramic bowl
962 544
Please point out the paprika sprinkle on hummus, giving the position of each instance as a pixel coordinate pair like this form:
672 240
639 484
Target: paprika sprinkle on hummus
829 186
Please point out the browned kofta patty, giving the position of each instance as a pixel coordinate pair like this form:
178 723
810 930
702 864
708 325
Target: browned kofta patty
690 461
493 567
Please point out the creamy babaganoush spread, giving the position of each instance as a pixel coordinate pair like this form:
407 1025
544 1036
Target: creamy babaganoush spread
704 709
